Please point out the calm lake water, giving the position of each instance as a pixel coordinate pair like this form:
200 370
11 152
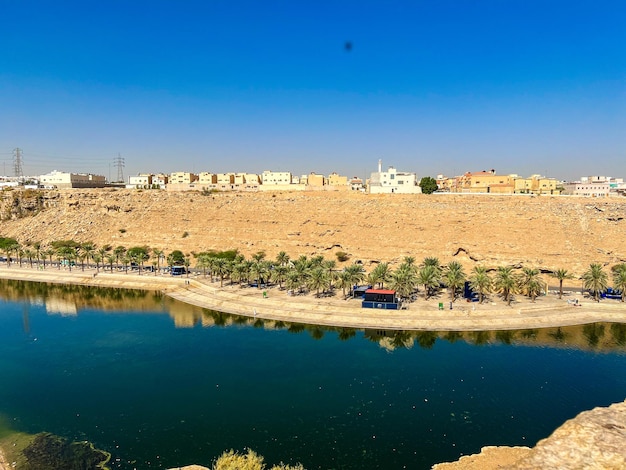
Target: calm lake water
160 384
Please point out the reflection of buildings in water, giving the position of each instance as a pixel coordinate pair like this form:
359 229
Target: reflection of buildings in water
58 305
37 301
184 315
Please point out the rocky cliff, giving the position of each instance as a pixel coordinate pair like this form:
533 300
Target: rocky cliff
545 232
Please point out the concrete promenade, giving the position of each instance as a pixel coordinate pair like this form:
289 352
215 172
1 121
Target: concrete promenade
547 311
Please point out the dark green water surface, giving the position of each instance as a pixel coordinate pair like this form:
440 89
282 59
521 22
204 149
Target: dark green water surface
157 384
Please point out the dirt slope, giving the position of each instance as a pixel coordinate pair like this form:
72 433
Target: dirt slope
545 232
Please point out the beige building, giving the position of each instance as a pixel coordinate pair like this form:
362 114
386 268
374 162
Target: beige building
315 180
206 178
182 177
337 181
62 180
536 184
478 182
251 181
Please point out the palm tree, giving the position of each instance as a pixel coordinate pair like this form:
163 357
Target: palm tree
187 263
203 261
480 281
293 281
280 274
49 252
404 280
8 245
260 270
506 283
432 261
345 281
239 273
88 249
158 255
329 265
119 252
259 256
81 255
37 247
561 274
532 282
430 277
138 255
282 258
222 269
380 274
356 273
68 254
30 254
110 260
317 279
97 257
619 280
454 277
596 280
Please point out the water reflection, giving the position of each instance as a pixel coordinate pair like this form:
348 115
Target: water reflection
66 300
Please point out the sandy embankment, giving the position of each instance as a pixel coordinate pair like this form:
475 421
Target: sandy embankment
547 311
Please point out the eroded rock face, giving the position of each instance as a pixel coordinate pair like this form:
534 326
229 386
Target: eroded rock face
594 440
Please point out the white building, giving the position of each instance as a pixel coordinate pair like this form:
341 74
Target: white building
143 181
275 177
62 180
595 186
393 181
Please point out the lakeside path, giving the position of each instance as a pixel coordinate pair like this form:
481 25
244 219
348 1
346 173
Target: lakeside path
547 311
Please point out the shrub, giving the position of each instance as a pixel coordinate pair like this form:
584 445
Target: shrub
122 230
342 256
185 234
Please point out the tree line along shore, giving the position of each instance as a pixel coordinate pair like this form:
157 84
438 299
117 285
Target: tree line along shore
317 275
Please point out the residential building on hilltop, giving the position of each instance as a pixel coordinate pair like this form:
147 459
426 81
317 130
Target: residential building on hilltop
392 181
61 180
275 177
536 184
182 177
356 184
489 182
596 186
338 182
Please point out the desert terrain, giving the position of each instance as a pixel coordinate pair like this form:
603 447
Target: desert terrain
545 232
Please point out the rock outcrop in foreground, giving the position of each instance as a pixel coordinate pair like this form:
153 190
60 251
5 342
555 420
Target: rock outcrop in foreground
595 439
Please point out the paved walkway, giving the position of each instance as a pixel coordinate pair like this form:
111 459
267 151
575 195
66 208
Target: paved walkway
547 311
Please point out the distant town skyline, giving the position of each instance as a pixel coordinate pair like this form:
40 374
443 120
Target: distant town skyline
446 87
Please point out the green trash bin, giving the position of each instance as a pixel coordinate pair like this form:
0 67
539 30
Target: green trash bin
440 305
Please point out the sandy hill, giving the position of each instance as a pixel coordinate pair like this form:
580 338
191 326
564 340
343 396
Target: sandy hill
544 232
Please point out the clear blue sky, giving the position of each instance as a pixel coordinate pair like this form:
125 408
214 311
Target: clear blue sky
438 86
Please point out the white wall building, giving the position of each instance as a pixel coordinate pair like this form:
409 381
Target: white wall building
62 180
275 177
393 181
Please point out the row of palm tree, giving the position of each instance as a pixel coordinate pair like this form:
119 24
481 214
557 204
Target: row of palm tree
70 254
317 274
